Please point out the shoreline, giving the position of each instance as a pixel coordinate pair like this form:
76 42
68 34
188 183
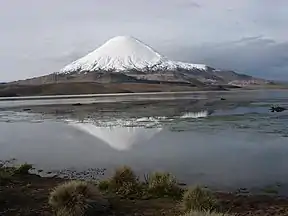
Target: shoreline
27 195
274 188
76 102
73 96
177 107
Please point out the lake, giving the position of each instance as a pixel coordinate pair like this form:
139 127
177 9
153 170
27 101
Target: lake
227 144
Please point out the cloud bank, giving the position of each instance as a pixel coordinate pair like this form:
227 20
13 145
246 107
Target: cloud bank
40 37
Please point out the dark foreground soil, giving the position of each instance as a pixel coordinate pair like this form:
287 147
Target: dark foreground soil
28 195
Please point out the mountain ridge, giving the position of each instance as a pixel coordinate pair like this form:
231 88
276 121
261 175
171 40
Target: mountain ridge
125 60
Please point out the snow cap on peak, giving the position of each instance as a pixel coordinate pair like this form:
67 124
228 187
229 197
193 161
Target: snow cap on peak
122 53
123 38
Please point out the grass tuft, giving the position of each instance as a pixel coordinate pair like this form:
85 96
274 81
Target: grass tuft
23 169
6 171
71 198
123 175
103 185
124 182
199 199
5 177
163 184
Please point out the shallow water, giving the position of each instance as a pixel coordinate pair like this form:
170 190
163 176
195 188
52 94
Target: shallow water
229 147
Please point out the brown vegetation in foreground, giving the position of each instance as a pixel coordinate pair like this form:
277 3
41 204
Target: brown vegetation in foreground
123 194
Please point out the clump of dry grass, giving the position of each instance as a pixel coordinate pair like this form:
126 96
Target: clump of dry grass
8 170
123 175
124 182
71 198
5 177
103 185
163 184
199 199
23 169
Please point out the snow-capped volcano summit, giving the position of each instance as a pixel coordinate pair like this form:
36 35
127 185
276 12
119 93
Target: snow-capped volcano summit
125 64
126 53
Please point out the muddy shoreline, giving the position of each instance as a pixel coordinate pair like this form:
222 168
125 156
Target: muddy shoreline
144 108
27 195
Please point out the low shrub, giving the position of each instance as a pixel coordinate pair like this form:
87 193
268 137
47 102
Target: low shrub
199 199
124 182
163 184
103 185
123 175
6 171
71 198
5 177
23 169
205 213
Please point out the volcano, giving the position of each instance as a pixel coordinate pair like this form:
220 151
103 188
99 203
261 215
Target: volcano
125 64
124 53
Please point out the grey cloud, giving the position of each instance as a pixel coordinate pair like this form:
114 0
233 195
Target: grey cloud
255 55
38 37
189 4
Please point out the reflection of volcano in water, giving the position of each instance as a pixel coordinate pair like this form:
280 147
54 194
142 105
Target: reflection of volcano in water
195 115
120 138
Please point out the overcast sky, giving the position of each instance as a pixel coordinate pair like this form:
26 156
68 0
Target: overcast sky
250 36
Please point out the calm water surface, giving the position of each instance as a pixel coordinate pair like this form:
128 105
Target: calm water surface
236 146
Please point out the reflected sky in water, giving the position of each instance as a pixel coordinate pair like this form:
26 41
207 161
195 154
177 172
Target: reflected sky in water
225 158
240 146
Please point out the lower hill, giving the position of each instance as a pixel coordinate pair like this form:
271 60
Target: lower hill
130 82
97 88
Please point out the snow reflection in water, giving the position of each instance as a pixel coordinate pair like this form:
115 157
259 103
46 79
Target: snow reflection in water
119 138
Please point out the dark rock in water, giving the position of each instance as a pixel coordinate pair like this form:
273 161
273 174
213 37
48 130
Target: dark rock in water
210 112
9 94
182 184
77 104
277 109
